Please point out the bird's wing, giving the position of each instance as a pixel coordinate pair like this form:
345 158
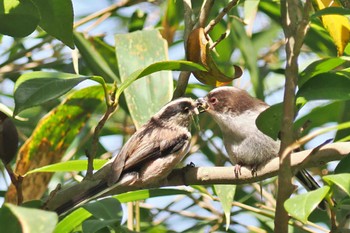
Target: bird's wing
137 150
166 142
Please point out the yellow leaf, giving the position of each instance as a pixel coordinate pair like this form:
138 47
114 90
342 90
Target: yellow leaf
338 26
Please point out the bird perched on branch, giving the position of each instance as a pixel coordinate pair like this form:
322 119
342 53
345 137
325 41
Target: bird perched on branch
235 111
152 152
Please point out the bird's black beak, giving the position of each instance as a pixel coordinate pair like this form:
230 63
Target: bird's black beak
202 104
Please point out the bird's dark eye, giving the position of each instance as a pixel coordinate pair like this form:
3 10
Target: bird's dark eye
186 109
213 100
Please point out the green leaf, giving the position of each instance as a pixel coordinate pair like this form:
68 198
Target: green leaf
107 208
155 67
340 180
301 206
226 194
318 67
35 88
30 220
137 20
94 225
55 132
331 11
96 62
68 166
320 116
148 193
18 18
146 96
72 221
57 19
343 166
325 86
107 212
269 121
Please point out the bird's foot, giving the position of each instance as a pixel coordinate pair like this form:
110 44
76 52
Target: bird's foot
237 169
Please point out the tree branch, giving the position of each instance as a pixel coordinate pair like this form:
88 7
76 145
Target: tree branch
207 175
294 21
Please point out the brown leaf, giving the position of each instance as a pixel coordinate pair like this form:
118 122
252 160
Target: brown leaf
198 51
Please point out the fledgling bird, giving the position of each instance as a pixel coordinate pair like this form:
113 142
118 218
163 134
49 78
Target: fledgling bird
235 111
152 151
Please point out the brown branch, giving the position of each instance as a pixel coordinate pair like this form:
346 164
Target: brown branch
112 105
218 18
208 175
17 182
294 21
185 75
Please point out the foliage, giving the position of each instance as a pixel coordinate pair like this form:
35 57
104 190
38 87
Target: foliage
120 70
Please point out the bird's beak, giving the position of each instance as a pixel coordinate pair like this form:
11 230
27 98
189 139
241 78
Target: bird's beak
202 104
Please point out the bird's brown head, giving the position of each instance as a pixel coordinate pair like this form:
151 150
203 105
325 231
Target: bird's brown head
228 100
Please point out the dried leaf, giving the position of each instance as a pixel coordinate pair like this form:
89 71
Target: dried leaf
198 51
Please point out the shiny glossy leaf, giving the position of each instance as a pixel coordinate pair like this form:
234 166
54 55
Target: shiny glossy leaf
318 67
326 86
68 166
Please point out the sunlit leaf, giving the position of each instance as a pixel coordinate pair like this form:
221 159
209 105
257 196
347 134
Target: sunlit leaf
68 166
301 206
226 194
341 180
326 86
146 96
337 25
148 193
18 18
318 67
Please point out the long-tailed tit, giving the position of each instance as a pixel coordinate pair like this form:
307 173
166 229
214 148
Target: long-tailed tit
235 111
152 152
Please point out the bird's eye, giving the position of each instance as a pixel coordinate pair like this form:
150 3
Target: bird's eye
186 109
213 100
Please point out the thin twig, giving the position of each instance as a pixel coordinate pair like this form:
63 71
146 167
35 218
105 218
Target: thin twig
17 182
108 9
185 75
204 13
112 105
218 18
